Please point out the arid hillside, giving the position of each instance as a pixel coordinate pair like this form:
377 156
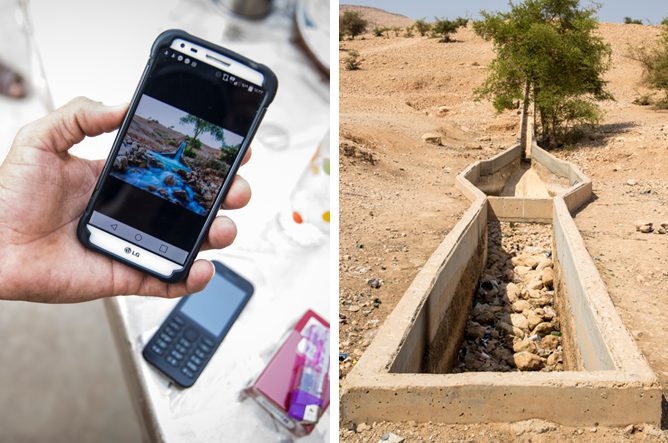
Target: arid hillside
378 17
398 198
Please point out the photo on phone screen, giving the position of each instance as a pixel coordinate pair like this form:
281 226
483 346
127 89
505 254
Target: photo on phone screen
186 130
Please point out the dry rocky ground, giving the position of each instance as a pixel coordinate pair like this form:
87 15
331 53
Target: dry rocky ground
398 201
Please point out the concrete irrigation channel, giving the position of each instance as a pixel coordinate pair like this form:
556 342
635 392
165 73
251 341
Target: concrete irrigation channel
509 318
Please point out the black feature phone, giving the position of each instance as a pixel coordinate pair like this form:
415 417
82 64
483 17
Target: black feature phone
192 332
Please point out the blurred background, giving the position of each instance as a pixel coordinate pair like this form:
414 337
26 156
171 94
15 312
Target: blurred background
61 378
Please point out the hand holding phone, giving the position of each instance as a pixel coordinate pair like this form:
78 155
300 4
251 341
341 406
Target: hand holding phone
188 128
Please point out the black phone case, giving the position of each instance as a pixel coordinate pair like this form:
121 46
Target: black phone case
270 86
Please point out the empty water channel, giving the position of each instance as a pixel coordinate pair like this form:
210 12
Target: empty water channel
514 319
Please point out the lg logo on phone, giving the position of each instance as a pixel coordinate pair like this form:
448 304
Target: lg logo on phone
129 250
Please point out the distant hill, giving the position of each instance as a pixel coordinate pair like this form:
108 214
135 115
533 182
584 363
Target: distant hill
378 17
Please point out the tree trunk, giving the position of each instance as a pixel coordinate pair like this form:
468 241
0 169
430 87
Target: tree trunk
525 118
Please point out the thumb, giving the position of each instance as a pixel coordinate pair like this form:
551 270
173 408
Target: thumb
69 124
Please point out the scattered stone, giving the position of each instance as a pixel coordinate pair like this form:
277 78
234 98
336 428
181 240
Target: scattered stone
544 264
525 345
547 277
375 282
521 306
526 361
391 438
432 138
632 182
644 226
121 163
361 427
519 320
553 358
180 194
475 330
630 429
549 342
543 328
535 283
534 426
169 180
442 111
533 320
512 292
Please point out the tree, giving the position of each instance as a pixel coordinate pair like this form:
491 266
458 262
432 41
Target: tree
548 50
422 27
632 21
444 27
655 64
352 23
201 126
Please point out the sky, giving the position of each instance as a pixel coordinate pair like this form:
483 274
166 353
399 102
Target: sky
612 11
167 115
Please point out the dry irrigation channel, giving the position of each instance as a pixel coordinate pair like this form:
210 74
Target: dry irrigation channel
509 318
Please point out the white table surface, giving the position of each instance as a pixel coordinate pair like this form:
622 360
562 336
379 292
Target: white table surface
98 49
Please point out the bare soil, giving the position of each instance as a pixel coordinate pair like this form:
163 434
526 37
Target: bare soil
398 199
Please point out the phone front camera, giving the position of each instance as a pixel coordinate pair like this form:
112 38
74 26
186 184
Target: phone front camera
183 45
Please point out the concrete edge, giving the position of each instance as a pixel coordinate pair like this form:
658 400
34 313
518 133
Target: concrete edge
584 279
391 336
524 210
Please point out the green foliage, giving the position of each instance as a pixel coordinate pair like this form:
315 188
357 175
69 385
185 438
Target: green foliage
643 100
189 152
409 31
632 21
664 22
422 27
551 50
352 23
378 32
352 62
655 64
443 28
229 153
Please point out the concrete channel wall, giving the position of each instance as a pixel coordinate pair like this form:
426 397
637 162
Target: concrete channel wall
400 376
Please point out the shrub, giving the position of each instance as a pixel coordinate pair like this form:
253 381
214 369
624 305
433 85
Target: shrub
409 31
422 27
352 23
443 28
352 62
536 42
655 64
378 32
632 21
643 100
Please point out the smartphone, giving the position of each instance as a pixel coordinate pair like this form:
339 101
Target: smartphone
192 332
189 125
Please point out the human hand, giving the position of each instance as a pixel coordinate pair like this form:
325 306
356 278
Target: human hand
43 192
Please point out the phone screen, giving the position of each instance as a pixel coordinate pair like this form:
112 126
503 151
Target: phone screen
184 136
216 306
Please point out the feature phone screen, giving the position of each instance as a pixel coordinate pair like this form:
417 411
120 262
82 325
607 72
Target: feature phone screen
215 306
185 134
